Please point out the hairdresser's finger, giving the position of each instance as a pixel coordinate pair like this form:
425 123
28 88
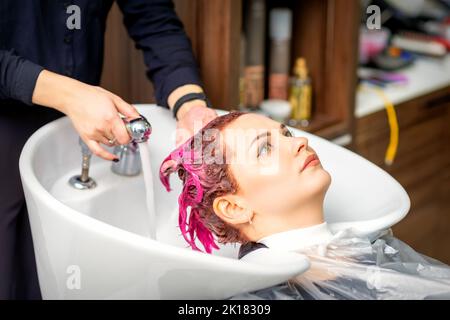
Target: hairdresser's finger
182 135
106 141
120 132
211 114
124 108
99 151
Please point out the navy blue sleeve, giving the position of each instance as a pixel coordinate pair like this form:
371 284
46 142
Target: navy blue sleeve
17 77
157 30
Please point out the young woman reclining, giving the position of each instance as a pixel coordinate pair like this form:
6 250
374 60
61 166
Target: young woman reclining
247 180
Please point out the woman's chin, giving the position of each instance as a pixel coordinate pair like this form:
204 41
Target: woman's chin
316 181
316 171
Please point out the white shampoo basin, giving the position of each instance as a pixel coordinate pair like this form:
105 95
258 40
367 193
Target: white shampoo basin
94 244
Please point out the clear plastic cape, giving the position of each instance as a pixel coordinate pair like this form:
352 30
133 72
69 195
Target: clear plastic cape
354 267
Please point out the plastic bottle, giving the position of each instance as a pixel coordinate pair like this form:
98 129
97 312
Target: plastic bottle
300 94
280 47
254 70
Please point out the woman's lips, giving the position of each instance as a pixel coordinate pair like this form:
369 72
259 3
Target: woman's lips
311 160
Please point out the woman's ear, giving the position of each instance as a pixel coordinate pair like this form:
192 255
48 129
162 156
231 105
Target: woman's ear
232 209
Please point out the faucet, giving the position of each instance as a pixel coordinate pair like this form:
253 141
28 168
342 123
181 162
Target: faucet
83 181
139 130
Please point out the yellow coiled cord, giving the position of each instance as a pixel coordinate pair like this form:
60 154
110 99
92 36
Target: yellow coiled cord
391 150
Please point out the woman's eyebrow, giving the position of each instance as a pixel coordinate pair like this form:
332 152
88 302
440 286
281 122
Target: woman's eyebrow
264 134
282 128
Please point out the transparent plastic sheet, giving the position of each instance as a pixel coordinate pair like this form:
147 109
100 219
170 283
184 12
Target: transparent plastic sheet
353 267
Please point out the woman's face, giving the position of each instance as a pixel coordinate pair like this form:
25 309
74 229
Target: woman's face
276 173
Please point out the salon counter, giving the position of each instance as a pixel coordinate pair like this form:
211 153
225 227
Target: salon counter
422 163
425 76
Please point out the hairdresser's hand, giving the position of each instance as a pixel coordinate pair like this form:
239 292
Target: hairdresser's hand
94 111
192 117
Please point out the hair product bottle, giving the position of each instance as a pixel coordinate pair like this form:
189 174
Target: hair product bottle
280 47
255 23
300 94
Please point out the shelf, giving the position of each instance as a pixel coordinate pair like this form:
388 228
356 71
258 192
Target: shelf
325 32
325 127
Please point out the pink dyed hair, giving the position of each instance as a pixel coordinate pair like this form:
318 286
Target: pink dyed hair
202 183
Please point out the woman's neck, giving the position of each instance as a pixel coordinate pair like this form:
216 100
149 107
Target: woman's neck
298 239
308 215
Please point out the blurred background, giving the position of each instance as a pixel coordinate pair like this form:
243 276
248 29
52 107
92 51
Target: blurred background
372 76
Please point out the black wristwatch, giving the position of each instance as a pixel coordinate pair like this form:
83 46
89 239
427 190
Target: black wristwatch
189 97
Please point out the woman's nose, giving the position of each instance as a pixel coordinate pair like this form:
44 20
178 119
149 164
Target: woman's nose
299 144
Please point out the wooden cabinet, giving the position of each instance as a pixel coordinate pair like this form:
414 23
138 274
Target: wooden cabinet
325 32
422 167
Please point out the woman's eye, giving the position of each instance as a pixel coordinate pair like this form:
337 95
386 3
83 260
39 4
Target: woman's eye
288 133
264 149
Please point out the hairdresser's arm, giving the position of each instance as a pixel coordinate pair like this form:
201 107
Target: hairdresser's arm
17 77
159 33
94 111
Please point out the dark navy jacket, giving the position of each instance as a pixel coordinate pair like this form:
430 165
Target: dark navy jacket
34 35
